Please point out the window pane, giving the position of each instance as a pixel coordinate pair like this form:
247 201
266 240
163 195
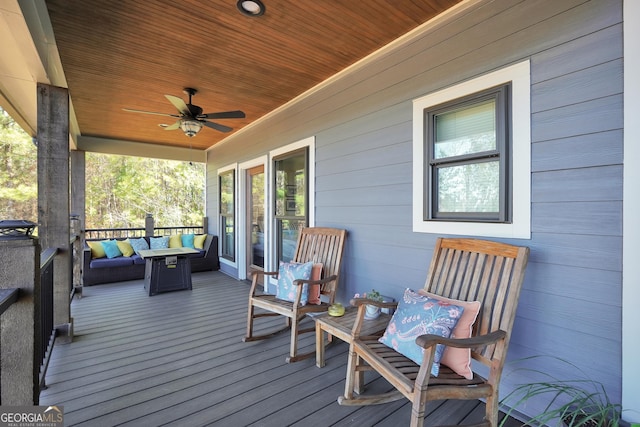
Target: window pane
467 130
227 214
291 201
469 188
226 194
291 186
228 238
288 231
256 213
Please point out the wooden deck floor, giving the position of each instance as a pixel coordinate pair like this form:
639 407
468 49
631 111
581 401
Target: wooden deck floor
178 359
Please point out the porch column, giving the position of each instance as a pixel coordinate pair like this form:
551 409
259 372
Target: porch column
20 326
78 197
53 196
631 213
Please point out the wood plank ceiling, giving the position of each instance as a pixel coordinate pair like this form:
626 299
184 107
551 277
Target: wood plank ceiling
129 53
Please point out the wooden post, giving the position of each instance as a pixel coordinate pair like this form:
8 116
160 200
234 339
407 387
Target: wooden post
54 195
149 226
78 173
20 268
78 249
205 225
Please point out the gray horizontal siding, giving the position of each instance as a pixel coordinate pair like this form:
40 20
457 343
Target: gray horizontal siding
363 181
599 81
599 115
584 184
596 149
584 218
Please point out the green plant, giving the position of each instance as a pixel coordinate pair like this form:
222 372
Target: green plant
580 402
374 295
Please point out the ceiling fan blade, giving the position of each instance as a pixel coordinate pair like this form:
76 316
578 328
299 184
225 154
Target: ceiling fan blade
149 112
174 126
237 114
217 126
179 104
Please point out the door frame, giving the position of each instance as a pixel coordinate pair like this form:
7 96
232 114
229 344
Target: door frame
243 169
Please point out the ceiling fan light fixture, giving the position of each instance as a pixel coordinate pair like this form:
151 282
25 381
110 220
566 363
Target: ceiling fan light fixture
190 127
251 7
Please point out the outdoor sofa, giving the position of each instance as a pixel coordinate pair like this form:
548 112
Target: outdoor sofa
103 269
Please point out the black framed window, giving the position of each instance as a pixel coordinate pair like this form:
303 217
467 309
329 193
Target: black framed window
291 200
227 214
468 167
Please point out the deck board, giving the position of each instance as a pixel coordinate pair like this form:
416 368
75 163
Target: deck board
177 359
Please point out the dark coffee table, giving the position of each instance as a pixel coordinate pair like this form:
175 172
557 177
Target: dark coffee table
167 269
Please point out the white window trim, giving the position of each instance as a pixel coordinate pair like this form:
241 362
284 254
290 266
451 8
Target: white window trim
307 142
241 206
221 171
520 77
270 240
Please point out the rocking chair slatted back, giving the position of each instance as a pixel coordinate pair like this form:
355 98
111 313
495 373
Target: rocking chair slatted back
474 270
322 245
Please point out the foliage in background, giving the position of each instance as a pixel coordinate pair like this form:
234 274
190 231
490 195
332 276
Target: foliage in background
18 172
120 190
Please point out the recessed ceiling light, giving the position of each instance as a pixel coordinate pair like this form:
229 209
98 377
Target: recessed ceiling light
251 7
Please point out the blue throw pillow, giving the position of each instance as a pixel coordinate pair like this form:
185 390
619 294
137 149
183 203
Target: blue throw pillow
111 248
139 244
419 315
287 274
187 241
159 242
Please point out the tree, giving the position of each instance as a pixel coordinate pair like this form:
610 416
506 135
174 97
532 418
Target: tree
119 190
18 172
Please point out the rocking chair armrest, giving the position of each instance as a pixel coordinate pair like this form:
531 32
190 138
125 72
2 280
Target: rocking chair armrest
264 273
356 302
300 282
254 281
361 304
428 340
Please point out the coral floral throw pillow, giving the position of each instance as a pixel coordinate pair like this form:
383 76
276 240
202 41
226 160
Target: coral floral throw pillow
459 359
418 315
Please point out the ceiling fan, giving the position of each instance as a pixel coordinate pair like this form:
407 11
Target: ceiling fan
191 119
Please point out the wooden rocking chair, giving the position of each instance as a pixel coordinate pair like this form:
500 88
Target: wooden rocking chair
461 269
315 244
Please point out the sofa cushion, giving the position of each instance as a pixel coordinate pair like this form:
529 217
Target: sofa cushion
175 241
188 241
139 244
198 241
125 247
137 259
97 251
111 262
159 242
111 248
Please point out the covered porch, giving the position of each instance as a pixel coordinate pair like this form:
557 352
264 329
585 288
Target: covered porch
177 358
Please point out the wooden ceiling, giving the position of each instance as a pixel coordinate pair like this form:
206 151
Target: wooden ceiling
129 53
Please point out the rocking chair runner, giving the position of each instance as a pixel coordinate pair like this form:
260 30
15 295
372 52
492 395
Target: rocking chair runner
462 269
315 244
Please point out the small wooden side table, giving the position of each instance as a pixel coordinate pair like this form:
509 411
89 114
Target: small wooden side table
340 327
